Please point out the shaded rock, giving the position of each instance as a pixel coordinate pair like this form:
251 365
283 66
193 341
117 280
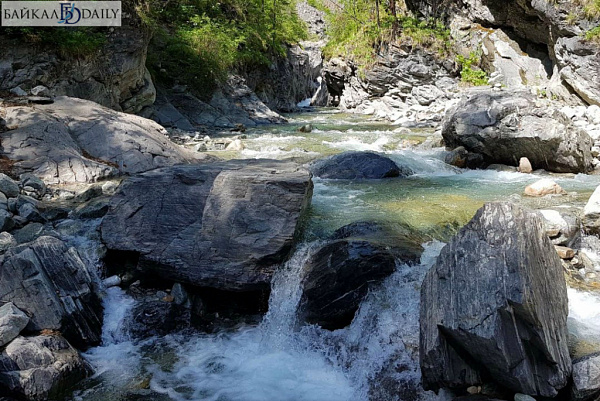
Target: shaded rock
462 158
586 378
93 209
494 306
28 233
56 213
157 318
505 126
41 368
8 186
49 281
337 278
7 222
92 192
358 165
74 140
30 213
37 185
224 225
12 322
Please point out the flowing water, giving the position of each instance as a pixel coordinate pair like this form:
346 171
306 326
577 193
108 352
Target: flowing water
376 357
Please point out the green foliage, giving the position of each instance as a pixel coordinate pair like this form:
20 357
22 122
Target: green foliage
593 34
197 41
355 33
73 42
470 72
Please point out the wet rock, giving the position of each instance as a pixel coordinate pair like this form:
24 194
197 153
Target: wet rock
544 187
505 126
157 318
305 128
8 186
49 282
180 295
502 167
358 165
12 322
338 276
586 378
462 158
224 225
494 305
41 367
61 143
523 397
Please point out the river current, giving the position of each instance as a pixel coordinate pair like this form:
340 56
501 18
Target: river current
376 357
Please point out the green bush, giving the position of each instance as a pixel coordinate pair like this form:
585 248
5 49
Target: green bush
593 34
74 42
198 41
470 72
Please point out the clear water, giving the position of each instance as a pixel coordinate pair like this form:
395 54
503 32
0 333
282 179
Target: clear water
376 357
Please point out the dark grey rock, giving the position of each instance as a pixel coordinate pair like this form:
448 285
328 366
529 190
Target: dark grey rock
30 180
157 318
494 305
12 322
30 213
505 126
41 368
93 209
28 233
7 222
49 282
8 186
224 225
337 278
358 165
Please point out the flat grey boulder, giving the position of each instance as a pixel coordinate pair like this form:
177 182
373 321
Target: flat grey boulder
75 140
224 225
12 322
49 281
41 368
505 126
494 307
586 378
358 165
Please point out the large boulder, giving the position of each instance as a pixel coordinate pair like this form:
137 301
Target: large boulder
337 278
40 368
223 225
507 125
494 307
358 165
49 281
75 140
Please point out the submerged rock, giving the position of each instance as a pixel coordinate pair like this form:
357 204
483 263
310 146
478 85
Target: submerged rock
505 126
223 225
41 367
157 318
358 165
494 307
50 282
338 276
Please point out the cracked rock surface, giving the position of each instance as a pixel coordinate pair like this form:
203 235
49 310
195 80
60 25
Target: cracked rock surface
223 225
494 307
75 140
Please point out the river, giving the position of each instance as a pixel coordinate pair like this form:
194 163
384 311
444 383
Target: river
376 357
